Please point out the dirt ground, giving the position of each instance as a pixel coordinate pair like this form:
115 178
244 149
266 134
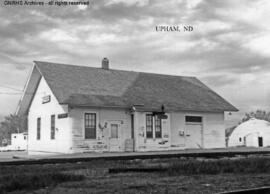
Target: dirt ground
4 156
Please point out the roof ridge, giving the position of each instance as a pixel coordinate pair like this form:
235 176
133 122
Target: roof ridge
72 65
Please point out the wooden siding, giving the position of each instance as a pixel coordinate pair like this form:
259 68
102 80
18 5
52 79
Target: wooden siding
80 144
62 141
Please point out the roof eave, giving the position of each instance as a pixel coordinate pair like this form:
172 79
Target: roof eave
23 110
147 109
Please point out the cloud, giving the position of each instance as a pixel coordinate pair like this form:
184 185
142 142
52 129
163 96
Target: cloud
128 3
259 44
228 48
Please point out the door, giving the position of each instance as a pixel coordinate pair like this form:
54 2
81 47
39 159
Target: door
114 136
260 141
193 136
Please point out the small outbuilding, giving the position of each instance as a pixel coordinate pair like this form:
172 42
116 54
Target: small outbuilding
252 133
18 141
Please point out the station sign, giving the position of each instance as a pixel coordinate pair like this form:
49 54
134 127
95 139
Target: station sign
162 116
46 99
62 116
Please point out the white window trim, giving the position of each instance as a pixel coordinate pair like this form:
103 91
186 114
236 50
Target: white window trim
118 123
39 129
154 131
154 126
145 131
97 124
194 115
55 116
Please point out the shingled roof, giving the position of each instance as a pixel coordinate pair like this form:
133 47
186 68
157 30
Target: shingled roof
97 87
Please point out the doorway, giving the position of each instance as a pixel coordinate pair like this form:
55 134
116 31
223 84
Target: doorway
114 136
260 141
193 137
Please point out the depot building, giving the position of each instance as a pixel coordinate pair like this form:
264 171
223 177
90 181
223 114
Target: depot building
73 109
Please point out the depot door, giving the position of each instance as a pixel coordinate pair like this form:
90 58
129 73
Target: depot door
260 141
114 136
193 136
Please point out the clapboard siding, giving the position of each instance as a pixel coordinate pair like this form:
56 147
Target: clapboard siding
213 135
62 141
149 144
80 144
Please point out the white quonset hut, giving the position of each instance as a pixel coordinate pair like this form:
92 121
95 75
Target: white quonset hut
82 109
252 133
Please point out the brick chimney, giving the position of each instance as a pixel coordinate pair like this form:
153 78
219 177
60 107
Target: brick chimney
105 64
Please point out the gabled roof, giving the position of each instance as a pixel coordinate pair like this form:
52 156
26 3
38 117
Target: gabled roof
97 87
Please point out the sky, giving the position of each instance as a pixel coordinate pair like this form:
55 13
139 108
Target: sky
228 48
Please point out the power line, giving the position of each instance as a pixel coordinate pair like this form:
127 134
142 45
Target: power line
10 93
11 88
19 93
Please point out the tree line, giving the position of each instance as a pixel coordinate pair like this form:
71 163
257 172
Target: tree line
12 124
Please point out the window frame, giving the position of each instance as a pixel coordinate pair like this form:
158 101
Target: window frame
111 134
38 137
194 116
160 125
155 134
53 124
84 127
146 126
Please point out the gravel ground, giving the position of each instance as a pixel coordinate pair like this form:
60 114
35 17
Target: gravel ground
6 156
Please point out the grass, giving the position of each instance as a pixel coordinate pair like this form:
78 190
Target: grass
198 166
179 175
236 166
34 180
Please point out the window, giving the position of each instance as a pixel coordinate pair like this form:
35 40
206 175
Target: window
114 131
193 119
24 137
240 139
157 127
38 128
53 127
132 126
151 131
90 120
149 126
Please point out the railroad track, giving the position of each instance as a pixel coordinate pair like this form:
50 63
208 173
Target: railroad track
258 190
130 156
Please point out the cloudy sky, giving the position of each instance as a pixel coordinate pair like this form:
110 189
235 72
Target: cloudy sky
228 49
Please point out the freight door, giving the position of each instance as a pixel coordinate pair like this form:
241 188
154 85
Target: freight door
193 132
193 136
